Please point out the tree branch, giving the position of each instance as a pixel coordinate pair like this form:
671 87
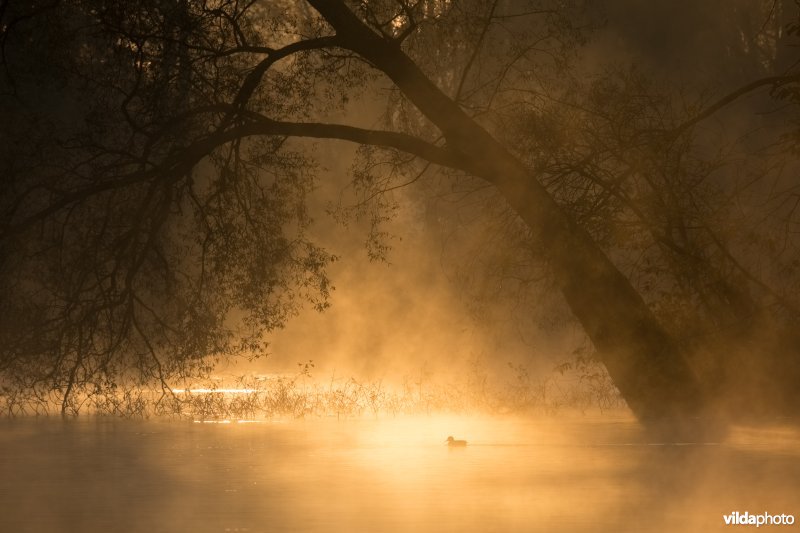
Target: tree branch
258 125
775 81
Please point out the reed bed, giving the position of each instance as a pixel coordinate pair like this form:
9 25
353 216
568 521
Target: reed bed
583 387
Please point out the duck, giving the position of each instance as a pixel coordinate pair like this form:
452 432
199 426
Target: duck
453 442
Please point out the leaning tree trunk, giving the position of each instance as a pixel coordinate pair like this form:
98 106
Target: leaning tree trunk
642 359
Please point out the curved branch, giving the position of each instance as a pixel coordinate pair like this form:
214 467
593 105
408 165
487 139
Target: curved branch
257 126
775 81
385 139
251 82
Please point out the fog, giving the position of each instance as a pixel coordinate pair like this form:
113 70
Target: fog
402 315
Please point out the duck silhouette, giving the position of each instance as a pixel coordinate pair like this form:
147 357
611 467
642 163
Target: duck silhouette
455 443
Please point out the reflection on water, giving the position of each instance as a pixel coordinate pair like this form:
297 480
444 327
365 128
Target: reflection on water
385 475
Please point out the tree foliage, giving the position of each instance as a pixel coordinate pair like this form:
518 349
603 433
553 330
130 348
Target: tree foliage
153 214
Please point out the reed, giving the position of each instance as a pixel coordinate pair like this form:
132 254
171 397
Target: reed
581 387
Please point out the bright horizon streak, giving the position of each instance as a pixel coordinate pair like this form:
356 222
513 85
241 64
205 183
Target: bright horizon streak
207 391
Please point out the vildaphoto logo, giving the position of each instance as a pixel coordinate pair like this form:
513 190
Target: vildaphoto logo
764 519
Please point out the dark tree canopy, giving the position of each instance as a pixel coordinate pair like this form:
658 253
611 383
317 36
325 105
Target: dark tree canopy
158 156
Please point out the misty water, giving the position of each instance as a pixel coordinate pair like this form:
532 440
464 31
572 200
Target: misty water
394 474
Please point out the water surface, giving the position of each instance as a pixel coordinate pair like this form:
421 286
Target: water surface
582 474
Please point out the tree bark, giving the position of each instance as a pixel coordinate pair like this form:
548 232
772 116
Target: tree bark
643 360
